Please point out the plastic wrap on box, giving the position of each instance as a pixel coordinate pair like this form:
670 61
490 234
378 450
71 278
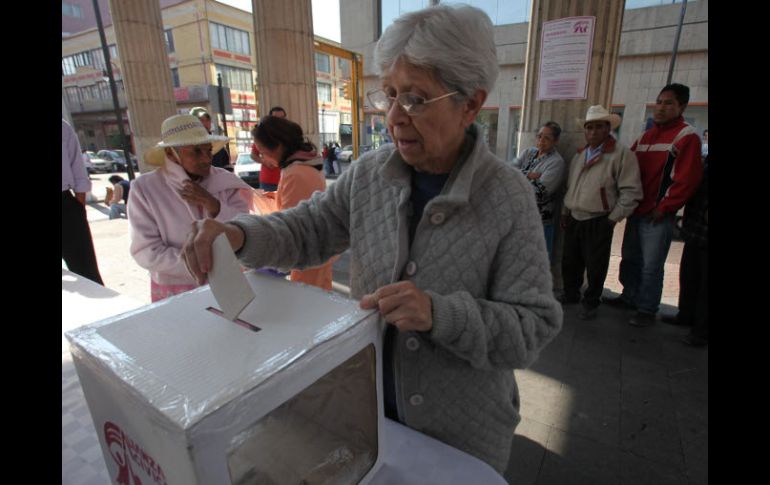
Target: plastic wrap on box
205 384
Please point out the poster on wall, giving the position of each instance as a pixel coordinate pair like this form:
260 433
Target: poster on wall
565 58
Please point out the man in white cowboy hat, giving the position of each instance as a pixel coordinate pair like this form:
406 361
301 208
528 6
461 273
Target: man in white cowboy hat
220 158
603 187
183 189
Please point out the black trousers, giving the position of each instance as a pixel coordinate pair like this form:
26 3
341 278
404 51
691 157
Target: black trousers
587 247
694 289
77 248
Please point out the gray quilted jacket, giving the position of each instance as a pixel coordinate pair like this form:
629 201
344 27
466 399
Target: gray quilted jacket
478 251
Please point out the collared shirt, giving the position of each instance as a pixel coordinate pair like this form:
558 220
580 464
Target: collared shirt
593 152
73 172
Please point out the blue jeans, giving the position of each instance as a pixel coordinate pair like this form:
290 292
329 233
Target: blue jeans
268 187
116 210
645 247
548 230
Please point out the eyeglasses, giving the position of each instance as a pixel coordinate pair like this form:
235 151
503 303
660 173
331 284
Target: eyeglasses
412 103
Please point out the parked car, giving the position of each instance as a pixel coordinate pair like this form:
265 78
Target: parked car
346 155
98 164
117 160
247 169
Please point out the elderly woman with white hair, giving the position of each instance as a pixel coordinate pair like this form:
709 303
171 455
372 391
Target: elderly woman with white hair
445 239
184 188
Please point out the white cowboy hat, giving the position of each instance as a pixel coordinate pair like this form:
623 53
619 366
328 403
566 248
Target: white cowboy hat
182 130
598 113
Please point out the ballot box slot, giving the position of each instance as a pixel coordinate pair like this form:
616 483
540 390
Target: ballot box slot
237 321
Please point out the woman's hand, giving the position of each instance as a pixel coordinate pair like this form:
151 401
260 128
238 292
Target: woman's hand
195 194
196 251
403 305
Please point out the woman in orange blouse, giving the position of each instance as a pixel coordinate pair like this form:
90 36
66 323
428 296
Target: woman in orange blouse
281 143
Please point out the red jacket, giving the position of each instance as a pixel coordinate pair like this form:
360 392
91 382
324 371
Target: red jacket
670 166
267 175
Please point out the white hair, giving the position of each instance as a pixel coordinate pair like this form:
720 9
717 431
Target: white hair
456 43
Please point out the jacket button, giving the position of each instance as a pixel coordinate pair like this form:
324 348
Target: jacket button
437 218
411 268
416 399
412 343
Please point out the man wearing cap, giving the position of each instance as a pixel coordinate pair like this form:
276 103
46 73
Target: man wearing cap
669 155
221 158
603 188
183 189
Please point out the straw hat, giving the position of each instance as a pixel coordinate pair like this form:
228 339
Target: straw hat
181 130
598 113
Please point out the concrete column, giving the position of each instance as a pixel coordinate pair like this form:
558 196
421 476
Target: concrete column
601 80
283 33
145 70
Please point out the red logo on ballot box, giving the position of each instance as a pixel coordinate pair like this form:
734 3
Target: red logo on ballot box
126 452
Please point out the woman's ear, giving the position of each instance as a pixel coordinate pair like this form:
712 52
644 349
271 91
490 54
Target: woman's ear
473 105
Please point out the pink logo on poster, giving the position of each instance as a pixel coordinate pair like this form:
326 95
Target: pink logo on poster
581 27
125 451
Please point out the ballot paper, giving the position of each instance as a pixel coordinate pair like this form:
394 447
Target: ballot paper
228 284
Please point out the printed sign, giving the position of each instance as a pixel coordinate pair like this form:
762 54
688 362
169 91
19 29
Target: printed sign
565 58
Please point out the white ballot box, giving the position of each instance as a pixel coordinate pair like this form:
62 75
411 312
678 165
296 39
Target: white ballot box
286 394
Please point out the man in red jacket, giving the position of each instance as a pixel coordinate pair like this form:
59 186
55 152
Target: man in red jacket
670 164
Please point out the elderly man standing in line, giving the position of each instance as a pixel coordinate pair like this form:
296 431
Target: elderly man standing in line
670 162
603 188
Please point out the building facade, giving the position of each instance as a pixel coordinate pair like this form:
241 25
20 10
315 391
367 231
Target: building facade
647 40
204 39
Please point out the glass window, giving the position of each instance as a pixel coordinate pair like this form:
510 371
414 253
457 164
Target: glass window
376 130
72 94
322 63
236 78
71 10
391 9
68 66
230 39
169 40
513 132
344 67
487 118
500 12
175 76
631 4
324 92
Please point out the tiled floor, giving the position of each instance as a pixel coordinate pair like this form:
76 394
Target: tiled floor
611 403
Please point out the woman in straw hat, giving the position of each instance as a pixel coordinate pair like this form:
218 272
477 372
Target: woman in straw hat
184 188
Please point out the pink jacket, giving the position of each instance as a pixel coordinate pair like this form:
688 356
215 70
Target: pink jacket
160 219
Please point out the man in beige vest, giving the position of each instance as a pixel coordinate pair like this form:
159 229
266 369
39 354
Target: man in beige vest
603 188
